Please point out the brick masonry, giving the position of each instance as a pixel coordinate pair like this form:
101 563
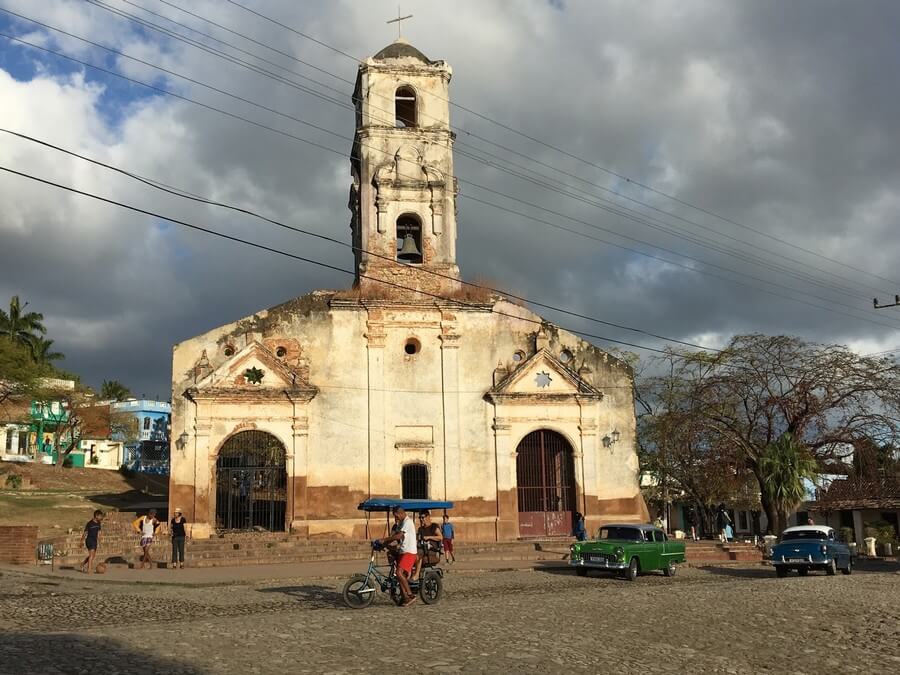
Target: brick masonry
18 544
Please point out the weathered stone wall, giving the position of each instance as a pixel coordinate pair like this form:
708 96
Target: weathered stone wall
378 408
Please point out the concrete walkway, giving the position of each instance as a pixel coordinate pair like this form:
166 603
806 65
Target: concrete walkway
250 574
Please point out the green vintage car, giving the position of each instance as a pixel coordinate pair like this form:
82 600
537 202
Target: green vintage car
628 550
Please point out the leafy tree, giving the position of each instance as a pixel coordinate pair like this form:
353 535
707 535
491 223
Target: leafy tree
19 326
687 458
826 397
113 389
785 466
19 374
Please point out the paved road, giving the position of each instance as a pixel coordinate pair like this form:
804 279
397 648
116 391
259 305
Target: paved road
727 620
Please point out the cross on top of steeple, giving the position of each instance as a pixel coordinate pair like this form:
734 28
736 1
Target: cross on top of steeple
399 21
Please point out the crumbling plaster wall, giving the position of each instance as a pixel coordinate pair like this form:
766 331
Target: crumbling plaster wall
378 407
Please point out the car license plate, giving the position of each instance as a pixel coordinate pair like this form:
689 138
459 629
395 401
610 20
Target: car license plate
596 558
797 560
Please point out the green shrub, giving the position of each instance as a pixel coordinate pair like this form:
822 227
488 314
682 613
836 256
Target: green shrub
14 481
847 535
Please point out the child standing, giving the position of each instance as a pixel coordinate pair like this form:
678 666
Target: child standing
91 540
448 534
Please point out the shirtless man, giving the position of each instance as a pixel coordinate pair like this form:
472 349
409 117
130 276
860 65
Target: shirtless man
405 536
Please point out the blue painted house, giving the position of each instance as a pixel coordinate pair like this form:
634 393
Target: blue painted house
147 441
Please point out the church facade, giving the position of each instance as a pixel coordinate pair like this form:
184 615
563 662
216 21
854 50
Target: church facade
409 384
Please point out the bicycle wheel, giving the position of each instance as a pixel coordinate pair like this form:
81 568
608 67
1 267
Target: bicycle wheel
430 588
358 593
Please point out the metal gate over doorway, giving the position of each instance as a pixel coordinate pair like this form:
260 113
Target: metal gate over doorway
251 483
545 474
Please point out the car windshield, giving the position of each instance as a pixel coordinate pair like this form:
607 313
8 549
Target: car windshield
626 533
804 534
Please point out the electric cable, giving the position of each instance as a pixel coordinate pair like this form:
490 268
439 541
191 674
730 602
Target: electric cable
571 155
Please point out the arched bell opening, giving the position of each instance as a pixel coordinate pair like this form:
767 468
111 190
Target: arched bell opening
251 483
545 479
405 107
409 239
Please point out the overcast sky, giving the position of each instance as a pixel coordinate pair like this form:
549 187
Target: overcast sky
782 117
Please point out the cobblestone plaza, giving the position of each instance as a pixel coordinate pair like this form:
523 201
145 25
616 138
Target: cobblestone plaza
705 620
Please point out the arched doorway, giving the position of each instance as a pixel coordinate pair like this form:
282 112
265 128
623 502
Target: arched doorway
251 483
545 475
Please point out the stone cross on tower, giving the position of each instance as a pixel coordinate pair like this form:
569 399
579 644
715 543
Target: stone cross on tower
398 21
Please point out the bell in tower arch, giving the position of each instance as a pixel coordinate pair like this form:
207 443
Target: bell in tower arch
409 239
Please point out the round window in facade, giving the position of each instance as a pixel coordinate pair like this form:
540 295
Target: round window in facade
519 356
412 347
281 352
565 356
229 350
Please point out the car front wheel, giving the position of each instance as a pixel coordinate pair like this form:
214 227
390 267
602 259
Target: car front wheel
581 571
669 570
632 572
781 572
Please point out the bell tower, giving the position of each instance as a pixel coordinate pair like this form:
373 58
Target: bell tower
403 196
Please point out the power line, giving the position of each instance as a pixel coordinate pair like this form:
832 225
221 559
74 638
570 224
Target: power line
571 155
643 220
312 261
506 209
178 192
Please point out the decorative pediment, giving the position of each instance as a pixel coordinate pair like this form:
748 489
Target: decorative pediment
408 169
543 376
255 372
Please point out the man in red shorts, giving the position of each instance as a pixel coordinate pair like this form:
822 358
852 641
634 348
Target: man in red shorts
405 536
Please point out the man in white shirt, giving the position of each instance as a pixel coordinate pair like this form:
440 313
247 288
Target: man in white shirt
405 536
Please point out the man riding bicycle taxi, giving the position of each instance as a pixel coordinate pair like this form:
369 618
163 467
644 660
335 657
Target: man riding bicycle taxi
405 535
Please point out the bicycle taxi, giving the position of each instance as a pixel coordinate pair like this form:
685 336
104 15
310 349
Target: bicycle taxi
360 589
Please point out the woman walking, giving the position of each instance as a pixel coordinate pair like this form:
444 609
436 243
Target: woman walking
179 534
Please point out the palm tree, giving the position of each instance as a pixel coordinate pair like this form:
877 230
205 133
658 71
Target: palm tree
40 350
786 465
113 389
24 328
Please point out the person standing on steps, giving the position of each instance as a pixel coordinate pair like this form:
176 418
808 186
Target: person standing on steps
91 540
179 535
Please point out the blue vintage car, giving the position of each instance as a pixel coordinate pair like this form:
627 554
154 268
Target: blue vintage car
810 547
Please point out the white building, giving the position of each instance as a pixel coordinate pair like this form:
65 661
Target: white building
410 384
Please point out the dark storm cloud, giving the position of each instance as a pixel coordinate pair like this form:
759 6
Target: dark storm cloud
777 115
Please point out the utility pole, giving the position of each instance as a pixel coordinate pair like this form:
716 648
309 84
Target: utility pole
896 303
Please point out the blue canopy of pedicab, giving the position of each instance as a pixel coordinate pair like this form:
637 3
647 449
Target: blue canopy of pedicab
386 504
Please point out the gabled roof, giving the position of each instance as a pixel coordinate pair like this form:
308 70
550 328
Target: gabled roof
278 378
860 493
543 368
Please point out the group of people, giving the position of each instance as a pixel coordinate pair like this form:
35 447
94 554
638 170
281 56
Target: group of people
147 526
410 548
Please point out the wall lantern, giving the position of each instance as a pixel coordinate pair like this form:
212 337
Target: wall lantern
182 440
611 439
